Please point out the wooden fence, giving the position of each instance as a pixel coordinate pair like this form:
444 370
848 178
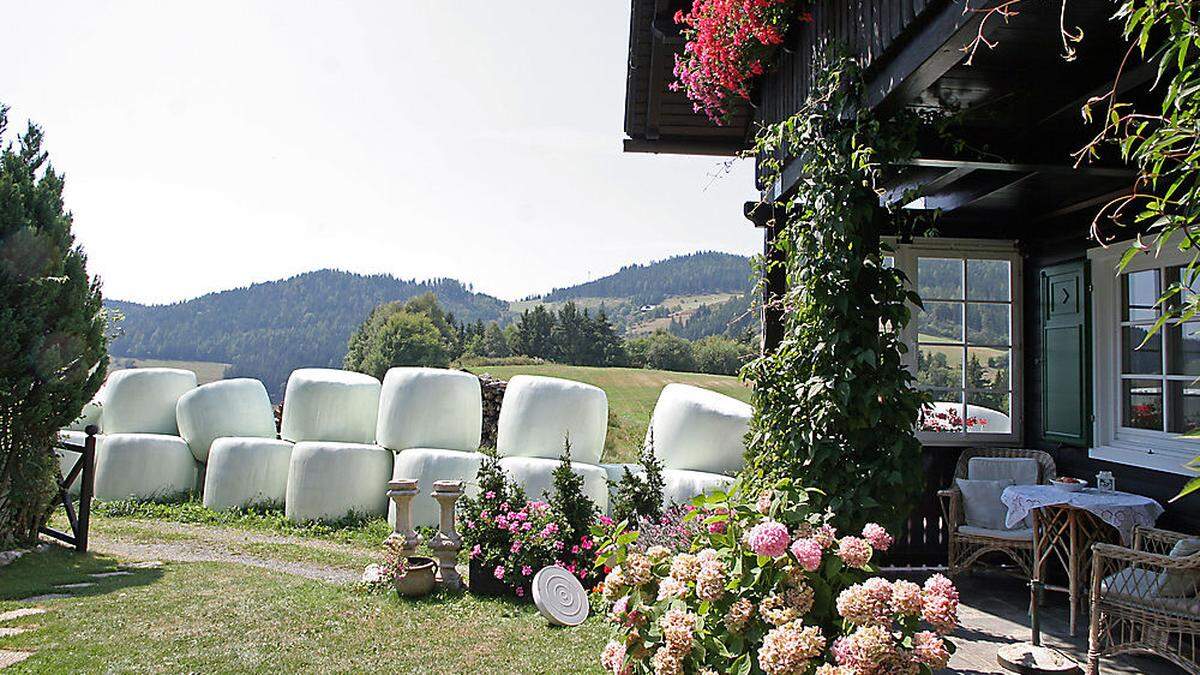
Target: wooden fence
83 470
923 539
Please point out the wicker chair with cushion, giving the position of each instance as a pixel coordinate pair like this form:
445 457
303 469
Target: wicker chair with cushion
1144 599
975 522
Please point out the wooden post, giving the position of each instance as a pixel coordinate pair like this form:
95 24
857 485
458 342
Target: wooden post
771 218
86 488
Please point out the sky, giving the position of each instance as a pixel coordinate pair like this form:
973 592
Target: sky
211 145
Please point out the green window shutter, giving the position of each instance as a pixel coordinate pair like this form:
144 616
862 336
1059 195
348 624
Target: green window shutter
1066 354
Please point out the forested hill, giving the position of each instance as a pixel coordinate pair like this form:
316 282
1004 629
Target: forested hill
696 273
266 330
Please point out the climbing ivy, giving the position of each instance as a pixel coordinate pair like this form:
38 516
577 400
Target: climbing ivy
835 407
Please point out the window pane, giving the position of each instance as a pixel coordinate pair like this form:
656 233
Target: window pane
889 261
988 324
988 280
1145 360
988 369
1141 402
1190 282
940 278
1141 292
945 414
940 322
1183 349
1185 407
988 412
939 366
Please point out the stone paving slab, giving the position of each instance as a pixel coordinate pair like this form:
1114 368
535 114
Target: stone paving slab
9 631
143 565
45 597
18 613
82 584
105 575
9 658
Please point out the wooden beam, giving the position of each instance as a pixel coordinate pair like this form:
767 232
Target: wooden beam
929 54
928 180
1018 167
668 146
1098 200
1135 77
970 191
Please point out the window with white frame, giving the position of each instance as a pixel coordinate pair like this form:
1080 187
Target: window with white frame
965 341
1146 390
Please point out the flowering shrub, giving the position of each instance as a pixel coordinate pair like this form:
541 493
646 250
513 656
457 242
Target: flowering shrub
773 590
728 45
942 420
512 538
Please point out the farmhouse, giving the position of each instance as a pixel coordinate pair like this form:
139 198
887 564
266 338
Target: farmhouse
1029 338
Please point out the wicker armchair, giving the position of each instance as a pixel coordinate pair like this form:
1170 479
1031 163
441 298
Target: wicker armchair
967 549
1128 612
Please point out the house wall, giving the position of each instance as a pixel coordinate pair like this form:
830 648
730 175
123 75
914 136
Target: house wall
1066 242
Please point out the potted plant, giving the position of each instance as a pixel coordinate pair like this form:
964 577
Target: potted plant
413 576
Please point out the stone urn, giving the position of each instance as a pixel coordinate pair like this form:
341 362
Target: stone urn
419 578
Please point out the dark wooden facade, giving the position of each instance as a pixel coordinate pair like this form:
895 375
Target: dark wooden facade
1018 105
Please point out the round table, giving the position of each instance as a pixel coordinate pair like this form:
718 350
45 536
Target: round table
1066 524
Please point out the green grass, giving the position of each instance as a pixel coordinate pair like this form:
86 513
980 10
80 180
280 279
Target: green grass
632 393
223 617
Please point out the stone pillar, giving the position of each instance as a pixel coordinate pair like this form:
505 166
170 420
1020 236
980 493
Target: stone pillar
401 492
446 544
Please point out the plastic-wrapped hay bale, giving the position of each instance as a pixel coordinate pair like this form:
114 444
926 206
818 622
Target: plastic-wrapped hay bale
429 408
427 465
91 414
246 471
328 481
238 407
142 400
699 430
67 458
536 476
323 404
143 467
539 412
681 486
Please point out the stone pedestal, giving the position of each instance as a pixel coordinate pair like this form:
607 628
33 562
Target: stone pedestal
446 544
401 492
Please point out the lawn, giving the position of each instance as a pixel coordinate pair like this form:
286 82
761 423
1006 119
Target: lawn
631 396
238 616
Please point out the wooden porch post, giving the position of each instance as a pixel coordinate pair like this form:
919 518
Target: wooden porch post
770 218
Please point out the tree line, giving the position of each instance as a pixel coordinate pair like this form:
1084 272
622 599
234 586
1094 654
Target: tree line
420 333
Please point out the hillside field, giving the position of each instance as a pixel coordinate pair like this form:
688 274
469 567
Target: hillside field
631 396
206 371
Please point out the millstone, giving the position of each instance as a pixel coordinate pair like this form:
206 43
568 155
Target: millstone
559 596
1027 659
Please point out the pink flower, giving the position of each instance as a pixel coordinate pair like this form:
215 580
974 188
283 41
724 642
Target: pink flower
939 604
526 526
870 649
768 538
906 598
718 527
558 546
498 572
930 650
520 592
526 570
489 494
854 552
808 552
620 606
868 603
878 537
475 551
516 547
612 659
825 535
606 521
503 506
585 543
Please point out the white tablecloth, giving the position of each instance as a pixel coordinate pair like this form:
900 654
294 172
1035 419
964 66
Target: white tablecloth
1122 510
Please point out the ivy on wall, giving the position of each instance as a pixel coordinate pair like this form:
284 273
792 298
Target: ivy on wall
835 407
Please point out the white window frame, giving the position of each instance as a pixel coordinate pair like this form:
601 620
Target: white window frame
1156 450
906 255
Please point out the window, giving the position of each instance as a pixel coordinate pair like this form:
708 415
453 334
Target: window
963 344
1146 389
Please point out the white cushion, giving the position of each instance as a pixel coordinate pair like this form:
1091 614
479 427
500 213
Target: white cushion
537 413
1180 583
699 430
429 408
981 502
535 474
1140 585
427 465
237 407
142 400
1020 470
329 480
243 471
681 486
322 404
143 467
1024 534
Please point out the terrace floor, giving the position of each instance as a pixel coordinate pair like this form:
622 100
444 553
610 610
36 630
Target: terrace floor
994 611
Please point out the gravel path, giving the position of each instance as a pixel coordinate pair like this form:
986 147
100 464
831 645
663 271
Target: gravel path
217 544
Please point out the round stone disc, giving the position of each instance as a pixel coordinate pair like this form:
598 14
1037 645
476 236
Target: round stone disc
559 596
1026 659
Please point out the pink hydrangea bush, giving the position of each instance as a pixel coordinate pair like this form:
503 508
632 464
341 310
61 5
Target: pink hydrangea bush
729 44
773 590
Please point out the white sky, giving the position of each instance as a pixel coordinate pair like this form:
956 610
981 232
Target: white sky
208 145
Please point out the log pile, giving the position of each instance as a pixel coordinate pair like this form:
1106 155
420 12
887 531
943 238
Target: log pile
493 394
